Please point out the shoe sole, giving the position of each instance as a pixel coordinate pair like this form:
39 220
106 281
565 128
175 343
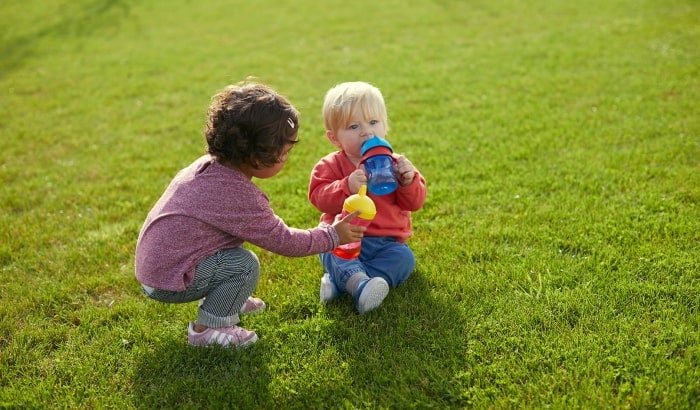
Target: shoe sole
372 295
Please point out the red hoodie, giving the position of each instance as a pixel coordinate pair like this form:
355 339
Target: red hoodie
328 189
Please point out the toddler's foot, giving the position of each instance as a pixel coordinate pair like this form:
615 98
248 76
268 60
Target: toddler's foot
252 306
372 294
328 290
234 336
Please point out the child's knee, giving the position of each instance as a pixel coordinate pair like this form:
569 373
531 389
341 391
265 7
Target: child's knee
401 271
399 276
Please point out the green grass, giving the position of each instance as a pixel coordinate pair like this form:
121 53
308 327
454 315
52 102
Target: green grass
558 252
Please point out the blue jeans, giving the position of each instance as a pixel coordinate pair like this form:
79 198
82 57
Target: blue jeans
380 256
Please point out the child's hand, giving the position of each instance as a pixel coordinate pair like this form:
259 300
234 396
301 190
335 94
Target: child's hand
357 179
406 170
349 233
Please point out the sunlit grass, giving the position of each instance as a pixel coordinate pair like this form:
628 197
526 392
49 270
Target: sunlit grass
557 253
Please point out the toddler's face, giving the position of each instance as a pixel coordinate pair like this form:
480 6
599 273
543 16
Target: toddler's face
359 130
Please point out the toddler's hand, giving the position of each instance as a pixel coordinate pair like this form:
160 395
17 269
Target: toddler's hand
349 233
357 179
406 170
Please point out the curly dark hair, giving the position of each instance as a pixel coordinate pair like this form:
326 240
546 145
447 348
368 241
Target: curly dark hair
250 123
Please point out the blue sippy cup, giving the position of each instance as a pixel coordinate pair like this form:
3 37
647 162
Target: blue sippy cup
379 165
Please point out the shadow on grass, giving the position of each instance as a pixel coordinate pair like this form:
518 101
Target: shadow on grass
176 375
403 355
93 16
407 353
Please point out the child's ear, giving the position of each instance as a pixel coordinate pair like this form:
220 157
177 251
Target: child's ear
333 138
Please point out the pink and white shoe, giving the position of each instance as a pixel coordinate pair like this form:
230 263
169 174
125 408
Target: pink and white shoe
252 306
234 336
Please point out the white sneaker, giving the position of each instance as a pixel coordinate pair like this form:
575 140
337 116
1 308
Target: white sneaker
372 295
328 290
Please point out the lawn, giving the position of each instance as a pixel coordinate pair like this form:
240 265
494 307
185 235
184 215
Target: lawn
558 251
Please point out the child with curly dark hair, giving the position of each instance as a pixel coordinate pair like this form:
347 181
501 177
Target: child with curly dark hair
190 246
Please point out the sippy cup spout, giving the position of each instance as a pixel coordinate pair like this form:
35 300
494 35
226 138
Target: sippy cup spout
375 146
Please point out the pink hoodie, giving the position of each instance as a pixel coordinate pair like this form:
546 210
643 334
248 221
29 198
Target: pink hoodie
208 207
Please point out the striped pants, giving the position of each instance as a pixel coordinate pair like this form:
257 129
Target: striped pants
222 283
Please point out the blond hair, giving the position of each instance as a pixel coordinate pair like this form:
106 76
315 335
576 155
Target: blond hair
345 99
